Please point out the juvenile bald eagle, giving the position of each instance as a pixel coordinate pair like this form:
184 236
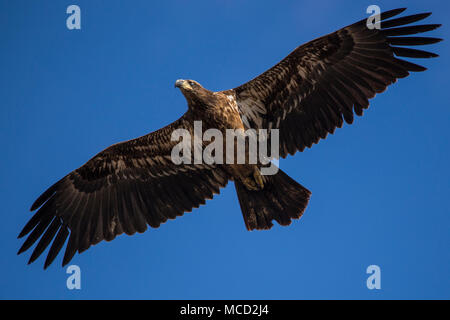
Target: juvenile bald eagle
307 95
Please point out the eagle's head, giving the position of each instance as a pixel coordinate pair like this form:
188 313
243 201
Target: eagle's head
194 93
187 85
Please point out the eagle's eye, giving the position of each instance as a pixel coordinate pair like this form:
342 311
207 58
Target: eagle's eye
192 83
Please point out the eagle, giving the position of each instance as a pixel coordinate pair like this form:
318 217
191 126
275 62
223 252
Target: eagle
135 184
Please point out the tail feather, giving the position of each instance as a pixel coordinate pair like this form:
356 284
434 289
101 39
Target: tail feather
282 199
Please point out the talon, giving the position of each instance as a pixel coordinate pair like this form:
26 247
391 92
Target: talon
250 184
258 178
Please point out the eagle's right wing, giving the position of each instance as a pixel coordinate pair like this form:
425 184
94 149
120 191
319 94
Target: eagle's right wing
122 189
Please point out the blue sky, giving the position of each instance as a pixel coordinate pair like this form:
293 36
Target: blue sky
380 188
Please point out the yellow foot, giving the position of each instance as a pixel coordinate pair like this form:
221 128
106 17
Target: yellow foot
258 178
250 184
254 181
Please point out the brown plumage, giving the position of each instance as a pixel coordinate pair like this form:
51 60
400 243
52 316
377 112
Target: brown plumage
306 96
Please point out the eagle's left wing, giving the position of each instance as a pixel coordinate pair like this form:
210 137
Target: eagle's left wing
309 93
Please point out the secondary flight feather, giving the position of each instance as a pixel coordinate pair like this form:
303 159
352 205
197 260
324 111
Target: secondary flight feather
135 184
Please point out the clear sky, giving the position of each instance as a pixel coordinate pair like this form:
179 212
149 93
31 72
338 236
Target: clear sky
380 188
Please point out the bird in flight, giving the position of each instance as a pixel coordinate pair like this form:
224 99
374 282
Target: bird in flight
310 93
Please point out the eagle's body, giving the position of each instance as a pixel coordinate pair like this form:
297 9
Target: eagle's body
309 94
219 110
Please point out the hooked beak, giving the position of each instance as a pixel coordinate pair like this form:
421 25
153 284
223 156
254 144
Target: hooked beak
180 83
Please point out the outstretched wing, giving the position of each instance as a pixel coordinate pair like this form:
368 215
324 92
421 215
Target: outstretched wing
121 189
309 93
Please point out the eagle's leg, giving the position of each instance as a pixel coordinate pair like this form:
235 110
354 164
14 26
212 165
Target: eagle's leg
250 183
249 175
258 178
254 180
